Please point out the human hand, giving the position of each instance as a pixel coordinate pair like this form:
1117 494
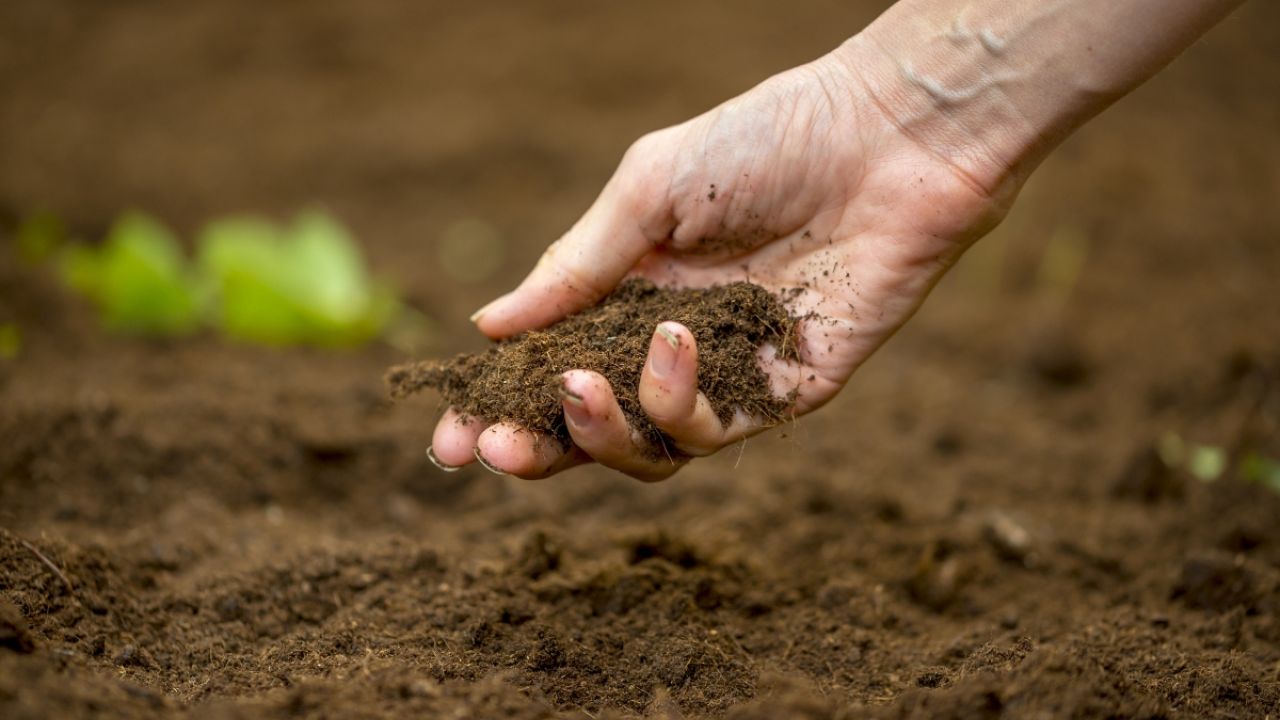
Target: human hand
806 181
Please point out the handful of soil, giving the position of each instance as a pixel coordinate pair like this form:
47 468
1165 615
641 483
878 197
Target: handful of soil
518 380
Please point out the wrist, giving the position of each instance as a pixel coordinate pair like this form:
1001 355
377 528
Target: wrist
993 86
941 96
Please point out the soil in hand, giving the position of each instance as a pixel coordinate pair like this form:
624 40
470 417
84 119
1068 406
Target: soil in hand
519 380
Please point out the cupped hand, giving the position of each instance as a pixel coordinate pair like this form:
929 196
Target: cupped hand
805 181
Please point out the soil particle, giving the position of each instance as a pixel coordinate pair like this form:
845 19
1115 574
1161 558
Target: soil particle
519 380
938 577
14 634
1009 538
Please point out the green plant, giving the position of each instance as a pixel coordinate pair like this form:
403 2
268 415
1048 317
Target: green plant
139 278
1209 462
305 284
1205 462
255 281
10 341
1261 469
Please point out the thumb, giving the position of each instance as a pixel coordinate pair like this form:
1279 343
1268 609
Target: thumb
630 217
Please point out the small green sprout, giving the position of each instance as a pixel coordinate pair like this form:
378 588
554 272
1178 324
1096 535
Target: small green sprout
1261 469
1207 462
10 341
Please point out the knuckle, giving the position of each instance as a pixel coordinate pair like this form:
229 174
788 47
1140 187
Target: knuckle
643 147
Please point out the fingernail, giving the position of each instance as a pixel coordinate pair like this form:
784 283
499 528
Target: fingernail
663 352
485 464
431 455
575 408
475 316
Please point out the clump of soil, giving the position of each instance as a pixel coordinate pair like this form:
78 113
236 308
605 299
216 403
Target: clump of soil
518 380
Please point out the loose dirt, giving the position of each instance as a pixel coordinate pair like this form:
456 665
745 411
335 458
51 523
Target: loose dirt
519 380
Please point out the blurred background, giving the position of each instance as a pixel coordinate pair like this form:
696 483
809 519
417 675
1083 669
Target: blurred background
458 141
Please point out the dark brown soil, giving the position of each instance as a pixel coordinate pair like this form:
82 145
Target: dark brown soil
518 380
979 526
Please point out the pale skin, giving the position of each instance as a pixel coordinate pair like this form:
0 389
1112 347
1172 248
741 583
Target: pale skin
879 164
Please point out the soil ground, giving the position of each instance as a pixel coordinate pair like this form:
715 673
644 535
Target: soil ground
975 528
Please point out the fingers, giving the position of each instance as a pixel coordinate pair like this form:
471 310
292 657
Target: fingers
599 427
502 448
454 440
669 395
630 216
507 449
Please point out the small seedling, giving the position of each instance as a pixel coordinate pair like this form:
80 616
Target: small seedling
10 341
1261 469
1206 462
301 284
1209 462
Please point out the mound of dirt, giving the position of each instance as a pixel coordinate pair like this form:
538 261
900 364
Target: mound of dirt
518 380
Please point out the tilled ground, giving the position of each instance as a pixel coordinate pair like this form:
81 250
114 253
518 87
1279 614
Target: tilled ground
978 527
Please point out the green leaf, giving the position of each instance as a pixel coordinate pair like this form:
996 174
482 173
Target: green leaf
328 272
303 285
1207 462
10 341
1261 469
242 259
138 278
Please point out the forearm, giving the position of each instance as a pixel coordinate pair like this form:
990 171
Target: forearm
993 85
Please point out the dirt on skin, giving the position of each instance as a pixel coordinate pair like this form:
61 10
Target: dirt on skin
519 380
985 523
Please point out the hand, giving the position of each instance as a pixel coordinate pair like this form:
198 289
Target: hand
804 181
